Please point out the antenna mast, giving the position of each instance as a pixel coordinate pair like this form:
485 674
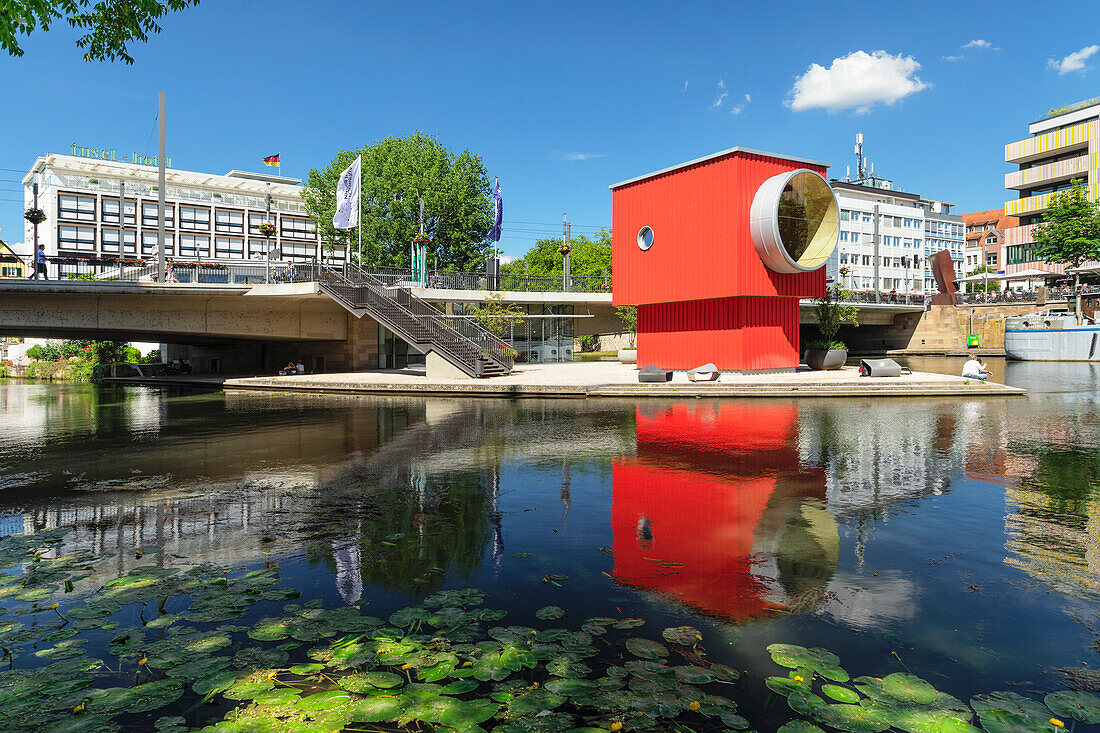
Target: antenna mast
860 171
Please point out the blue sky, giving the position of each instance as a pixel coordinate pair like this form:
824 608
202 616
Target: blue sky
562 99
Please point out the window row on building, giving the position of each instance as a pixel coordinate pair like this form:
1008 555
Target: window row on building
78 208
75 238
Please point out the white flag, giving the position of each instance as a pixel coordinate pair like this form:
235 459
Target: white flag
347 197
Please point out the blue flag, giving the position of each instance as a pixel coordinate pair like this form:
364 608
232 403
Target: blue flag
498 216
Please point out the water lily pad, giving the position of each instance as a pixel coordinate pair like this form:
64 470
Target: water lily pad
1010 702
629 623
1083 706
799 726
306 670
646 649
840 694
786 685
804 702
932 721
323 701
247 688
214 683
549 613
376 709
572 687
909 688
459 687
724 673
819 660
280 696
684 635
534 702
853 718
153 695
693 675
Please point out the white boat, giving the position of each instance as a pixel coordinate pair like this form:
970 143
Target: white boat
1051 335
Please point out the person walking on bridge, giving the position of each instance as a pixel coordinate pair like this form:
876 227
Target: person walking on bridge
39 266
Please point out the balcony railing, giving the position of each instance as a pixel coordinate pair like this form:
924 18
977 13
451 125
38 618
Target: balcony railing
1047 143
1047 172
446 280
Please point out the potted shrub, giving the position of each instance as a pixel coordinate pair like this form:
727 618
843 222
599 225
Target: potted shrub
833 310
628 315
34 216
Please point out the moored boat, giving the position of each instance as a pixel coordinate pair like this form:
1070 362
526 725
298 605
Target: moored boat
1051 335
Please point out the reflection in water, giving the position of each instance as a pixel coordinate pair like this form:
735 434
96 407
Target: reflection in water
714 488
853 524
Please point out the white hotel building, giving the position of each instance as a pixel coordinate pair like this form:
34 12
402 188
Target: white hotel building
208 217
909 230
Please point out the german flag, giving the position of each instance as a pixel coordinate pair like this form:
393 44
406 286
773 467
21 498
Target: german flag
273 160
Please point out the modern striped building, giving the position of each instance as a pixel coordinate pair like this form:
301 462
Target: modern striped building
208 217
1064 145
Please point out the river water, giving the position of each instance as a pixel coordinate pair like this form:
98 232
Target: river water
956 538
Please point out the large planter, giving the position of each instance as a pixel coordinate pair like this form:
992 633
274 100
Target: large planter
822 360
628 356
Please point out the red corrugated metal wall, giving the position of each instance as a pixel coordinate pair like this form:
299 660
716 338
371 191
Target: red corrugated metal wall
702 247
740 333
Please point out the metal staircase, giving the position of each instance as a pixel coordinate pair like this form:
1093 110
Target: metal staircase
463 343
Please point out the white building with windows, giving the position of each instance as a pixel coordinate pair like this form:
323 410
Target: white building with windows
208 217
898 231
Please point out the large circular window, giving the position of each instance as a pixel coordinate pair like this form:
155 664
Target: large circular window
645 238
794 221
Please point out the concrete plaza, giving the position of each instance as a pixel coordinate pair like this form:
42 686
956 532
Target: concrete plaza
612 379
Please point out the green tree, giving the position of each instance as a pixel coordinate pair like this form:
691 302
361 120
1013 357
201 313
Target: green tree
397 172
1070 232
983 286
496 316
833 310
111 25
628 316
588 256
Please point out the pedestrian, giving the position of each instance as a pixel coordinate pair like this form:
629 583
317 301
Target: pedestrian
301 367
39 265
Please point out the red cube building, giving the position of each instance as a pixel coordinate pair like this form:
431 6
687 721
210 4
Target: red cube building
716 254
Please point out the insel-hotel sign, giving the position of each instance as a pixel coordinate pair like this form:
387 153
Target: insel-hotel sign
112 154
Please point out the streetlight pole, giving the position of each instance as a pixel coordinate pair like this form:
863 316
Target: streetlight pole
267 240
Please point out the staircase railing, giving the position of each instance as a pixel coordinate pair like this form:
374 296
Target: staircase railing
471 348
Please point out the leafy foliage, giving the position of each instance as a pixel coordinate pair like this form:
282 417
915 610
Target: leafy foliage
111 25
396 173
496 316
628 316
833 311
588 256
983 286
1070 232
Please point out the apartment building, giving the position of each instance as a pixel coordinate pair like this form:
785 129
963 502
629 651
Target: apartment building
1063 145
897 230
986 238
97 208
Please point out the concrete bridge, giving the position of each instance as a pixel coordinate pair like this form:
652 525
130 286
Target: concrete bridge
240 327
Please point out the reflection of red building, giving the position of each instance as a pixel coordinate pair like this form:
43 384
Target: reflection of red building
710 484
716 254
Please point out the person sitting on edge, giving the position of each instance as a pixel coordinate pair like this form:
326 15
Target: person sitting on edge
290 368
301 367
974 369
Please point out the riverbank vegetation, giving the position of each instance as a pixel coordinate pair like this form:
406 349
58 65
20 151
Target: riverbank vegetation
79 360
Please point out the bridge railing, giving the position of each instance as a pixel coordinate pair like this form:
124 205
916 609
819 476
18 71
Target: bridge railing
1008 296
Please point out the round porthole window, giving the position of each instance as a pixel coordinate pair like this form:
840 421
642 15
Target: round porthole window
645 238
794 221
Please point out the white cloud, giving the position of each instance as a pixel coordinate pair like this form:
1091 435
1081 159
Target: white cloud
980 43
1074 61
559 155
741 107
723 94
860 80
748 98
685 86
960 57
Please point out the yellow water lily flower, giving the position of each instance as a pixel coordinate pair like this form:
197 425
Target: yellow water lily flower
694 705
50 608
406 665
798 678
142 662
1057 723
79 709
616 726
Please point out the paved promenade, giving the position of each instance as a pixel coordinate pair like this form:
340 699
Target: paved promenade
611 379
